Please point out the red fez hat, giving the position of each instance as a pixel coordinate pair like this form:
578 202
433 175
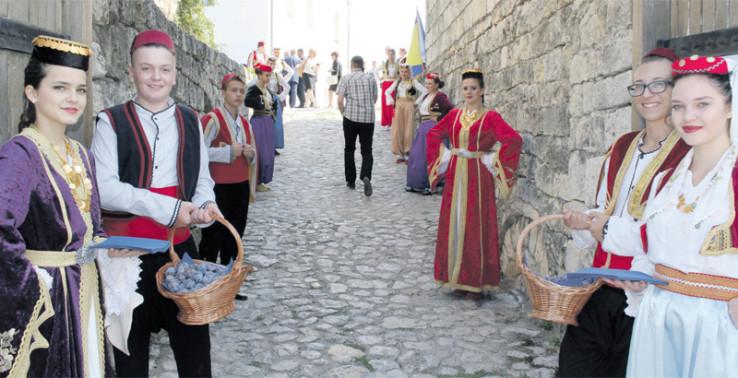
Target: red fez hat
260 44
431 76
715 65
263 67
152 37
228 77
663 52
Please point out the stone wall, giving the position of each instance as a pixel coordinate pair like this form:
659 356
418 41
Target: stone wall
557 72
116 23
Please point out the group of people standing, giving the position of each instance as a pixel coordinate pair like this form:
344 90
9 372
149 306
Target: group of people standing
665 207
300 72
153 165
455 145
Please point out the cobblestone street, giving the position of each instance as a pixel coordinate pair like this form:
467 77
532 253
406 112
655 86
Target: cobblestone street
343 283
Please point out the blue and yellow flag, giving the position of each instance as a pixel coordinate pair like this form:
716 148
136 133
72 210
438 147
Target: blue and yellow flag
416 54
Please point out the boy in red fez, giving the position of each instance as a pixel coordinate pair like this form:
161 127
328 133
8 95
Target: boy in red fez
599 345
152 171
232 153
257 56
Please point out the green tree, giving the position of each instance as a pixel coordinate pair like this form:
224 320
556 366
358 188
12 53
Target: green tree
191 18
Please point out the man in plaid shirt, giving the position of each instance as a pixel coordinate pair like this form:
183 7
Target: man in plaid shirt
357 94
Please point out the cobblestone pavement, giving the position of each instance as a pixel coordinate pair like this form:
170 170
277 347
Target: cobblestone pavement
343 284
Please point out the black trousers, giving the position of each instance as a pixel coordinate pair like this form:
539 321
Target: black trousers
293 93
233 202
301 91
365 132
190 344
599 346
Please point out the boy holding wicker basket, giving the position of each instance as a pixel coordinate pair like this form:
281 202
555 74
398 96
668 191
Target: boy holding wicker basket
153 175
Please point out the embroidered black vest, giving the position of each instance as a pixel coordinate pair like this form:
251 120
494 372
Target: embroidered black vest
135 157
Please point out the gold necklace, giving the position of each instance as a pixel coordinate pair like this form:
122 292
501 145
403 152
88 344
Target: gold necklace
688 208
76 176
469 117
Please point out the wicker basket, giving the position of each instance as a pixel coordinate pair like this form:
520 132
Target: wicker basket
212 302
551 301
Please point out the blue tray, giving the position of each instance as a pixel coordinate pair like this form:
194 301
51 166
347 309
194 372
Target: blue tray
138 244
616 274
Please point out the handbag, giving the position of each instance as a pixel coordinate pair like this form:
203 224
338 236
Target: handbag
333 79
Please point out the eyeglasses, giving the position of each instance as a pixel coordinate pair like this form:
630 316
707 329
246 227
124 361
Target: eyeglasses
654 87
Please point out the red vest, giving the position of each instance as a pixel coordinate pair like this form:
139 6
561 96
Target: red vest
238 170
620 160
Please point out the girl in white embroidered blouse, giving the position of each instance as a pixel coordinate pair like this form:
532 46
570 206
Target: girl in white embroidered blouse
687 237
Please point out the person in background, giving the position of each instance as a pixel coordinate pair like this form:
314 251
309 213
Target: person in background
407 91
357 94
432 106
261 99
301 84
402 58
335 76
310 73
257 56
390 72
278 85
232 154
292 61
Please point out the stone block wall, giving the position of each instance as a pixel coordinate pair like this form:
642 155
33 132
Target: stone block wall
556 70
116 23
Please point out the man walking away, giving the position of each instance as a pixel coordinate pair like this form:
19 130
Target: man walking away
357 94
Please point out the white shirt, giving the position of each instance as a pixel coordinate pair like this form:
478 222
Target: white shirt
235 128
583 238
310 67
163 137
675 238
402 88
424 103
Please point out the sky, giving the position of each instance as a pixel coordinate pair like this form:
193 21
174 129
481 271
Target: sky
320 24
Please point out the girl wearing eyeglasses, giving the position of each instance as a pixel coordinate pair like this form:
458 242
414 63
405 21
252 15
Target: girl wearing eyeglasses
599 345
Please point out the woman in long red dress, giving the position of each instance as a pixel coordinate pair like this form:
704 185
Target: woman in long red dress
467 252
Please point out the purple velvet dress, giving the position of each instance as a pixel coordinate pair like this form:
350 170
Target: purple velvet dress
417 166
31 218
262 125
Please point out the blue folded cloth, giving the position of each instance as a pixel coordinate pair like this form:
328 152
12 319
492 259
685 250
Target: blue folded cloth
138 244
615 274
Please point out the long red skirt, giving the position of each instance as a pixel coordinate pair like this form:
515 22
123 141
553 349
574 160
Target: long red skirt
388 111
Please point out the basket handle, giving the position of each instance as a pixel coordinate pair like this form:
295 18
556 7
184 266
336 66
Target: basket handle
218 218
526 231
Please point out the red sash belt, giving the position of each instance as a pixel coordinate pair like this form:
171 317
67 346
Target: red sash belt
145 227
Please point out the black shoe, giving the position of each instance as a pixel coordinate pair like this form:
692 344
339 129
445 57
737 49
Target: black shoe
351 185
241 297
276 153
367 186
